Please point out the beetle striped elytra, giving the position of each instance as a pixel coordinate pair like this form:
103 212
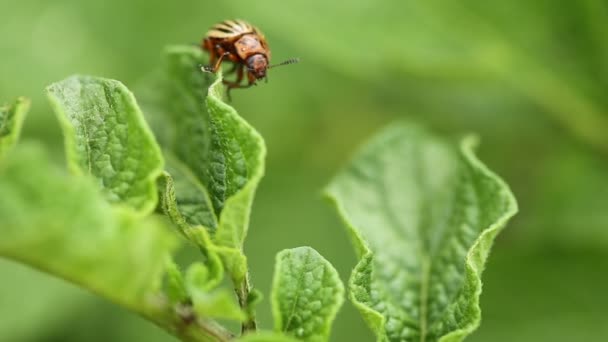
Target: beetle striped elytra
245 46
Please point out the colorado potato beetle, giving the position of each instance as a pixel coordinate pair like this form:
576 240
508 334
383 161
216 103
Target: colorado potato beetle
245 46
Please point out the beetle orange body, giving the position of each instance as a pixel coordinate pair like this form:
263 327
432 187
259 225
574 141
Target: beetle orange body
244 45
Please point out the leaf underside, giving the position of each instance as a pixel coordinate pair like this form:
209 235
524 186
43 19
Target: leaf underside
306 294
423 214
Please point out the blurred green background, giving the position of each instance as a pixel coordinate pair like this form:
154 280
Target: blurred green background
530 78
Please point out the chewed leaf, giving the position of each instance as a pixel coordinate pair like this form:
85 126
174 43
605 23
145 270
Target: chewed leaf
306 294
423 214
218 159
106 136
62 224
11 121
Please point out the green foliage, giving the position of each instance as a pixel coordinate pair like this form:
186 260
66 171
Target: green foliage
188 212
62 225
217 304
421 254
106 136
217 159
423 215
175 286
109 244
523 75
306 294
11 121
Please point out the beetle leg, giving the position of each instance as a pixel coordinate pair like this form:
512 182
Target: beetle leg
236 83
207 45
252 80
239 76
216 67
232 70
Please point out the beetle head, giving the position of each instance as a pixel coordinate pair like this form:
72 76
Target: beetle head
257 65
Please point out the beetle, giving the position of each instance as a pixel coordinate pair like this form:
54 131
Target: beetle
245 46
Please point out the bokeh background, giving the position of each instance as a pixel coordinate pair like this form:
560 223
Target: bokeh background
529 77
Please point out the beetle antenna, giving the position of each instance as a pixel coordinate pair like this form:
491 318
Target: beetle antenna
289 61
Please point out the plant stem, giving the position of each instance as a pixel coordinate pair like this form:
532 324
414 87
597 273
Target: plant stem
242 292
201 329
204 331
183 323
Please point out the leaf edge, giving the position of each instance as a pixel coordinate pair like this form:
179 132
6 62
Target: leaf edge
474 268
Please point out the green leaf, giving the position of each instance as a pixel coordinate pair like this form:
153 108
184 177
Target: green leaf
175 285
217 159
106 136
423 214
61 224
110 250
218 303
306 294
238 166
255 297
188 212
196 292
185 199
11 121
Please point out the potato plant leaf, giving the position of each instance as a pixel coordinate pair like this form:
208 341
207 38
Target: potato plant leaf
61 224
11 121
190 213
106 136
216 159
108 139
423 214
306 294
